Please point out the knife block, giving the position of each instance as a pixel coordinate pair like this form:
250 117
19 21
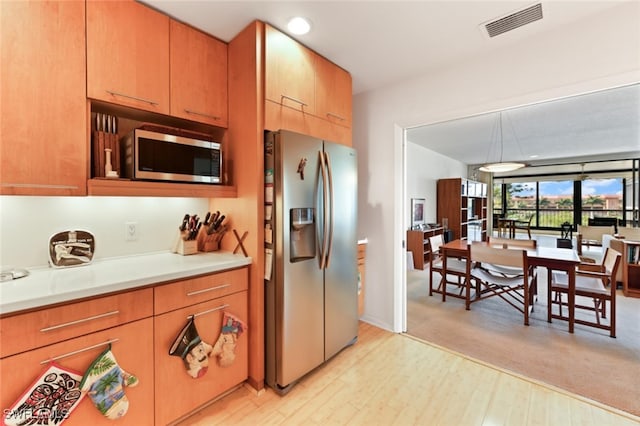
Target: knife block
187 247
209 242
102 141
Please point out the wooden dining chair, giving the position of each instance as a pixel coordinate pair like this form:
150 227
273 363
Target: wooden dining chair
456 275
517 290
512 244
524 225
596 282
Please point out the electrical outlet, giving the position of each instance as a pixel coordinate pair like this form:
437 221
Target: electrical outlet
131 231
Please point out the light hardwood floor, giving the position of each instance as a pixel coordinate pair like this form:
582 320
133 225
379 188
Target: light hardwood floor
393 379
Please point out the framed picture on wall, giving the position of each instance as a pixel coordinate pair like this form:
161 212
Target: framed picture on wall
417 213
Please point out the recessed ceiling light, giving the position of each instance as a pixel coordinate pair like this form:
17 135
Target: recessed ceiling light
533 156
299 25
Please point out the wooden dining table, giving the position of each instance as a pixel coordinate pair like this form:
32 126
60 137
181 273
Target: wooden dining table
551 258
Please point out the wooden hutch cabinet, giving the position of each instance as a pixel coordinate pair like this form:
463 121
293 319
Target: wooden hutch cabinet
418 245
630 264
462 208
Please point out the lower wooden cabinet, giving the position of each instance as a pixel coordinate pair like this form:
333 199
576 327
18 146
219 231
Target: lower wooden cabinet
176 392
133 349
76 333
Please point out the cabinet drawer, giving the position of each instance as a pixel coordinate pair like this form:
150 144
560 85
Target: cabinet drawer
177 393
24 332
132 346
183 293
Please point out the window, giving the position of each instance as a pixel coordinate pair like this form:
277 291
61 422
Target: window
555 203
601 198
521 200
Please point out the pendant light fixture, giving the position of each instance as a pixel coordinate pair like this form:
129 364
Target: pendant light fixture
500 166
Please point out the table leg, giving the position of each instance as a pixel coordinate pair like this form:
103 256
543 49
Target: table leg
572 298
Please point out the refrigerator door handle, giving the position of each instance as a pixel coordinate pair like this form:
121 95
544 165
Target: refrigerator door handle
325 218
330 211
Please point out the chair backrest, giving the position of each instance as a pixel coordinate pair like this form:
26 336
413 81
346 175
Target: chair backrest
611 262
435 242
483 253
594 233
510 242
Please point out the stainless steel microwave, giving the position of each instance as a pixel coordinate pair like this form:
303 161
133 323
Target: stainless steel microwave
158 156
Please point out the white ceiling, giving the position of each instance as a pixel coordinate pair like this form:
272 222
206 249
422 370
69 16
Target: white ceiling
385 42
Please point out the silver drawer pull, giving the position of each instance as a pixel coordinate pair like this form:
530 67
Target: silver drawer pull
135 98
67 324
208 311
55 358
294 100
193 293
37 185
202 114
339 117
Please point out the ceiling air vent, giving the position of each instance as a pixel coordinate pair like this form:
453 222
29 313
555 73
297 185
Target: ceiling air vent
514 20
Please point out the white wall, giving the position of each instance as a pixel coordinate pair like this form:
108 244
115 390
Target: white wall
423 168
585 56
27 223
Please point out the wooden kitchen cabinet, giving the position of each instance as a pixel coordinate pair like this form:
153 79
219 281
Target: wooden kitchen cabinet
191 291
333 92
128 55
132 346
305 92
26 331
289 72
198 76
176 392
44 117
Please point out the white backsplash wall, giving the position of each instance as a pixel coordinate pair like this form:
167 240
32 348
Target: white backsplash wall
27 223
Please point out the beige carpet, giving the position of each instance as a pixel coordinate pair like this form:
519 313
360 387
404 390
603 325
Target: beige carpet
588 362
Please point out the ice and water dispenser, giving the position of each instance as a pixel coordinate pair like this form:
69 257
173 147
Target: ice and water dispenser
302 235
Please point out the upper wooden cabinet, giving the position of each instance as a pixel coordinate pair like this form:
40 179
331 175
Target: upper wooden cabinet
305 92
289 72
128 55
333 92
198 76
44 120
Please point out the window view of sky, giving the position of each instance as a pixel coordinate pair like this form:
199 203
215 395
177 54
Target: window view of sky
589 187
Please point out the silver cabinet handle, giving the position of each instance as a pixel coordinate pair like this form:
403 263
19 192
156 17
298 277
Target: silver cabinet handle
202 114
294 100
55 358
135 98
193 293
339 117
36 185
67 324
208 311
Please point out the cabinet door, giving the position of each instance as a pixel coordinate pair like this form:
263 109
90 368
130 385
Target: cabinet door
191 291
23 332
128 55
177 393
333 92
44 120
289 72
198 76
132 349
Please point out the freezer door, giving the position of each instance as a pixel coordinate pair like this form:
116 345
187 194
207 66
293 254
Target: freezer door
341 275
299 296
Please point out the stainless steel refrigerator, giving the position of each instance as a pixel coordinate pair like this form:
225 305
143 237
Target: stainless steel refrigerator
311 247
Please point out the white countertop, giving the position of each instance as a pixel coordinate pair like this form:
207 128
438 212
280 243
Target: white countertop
46 286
